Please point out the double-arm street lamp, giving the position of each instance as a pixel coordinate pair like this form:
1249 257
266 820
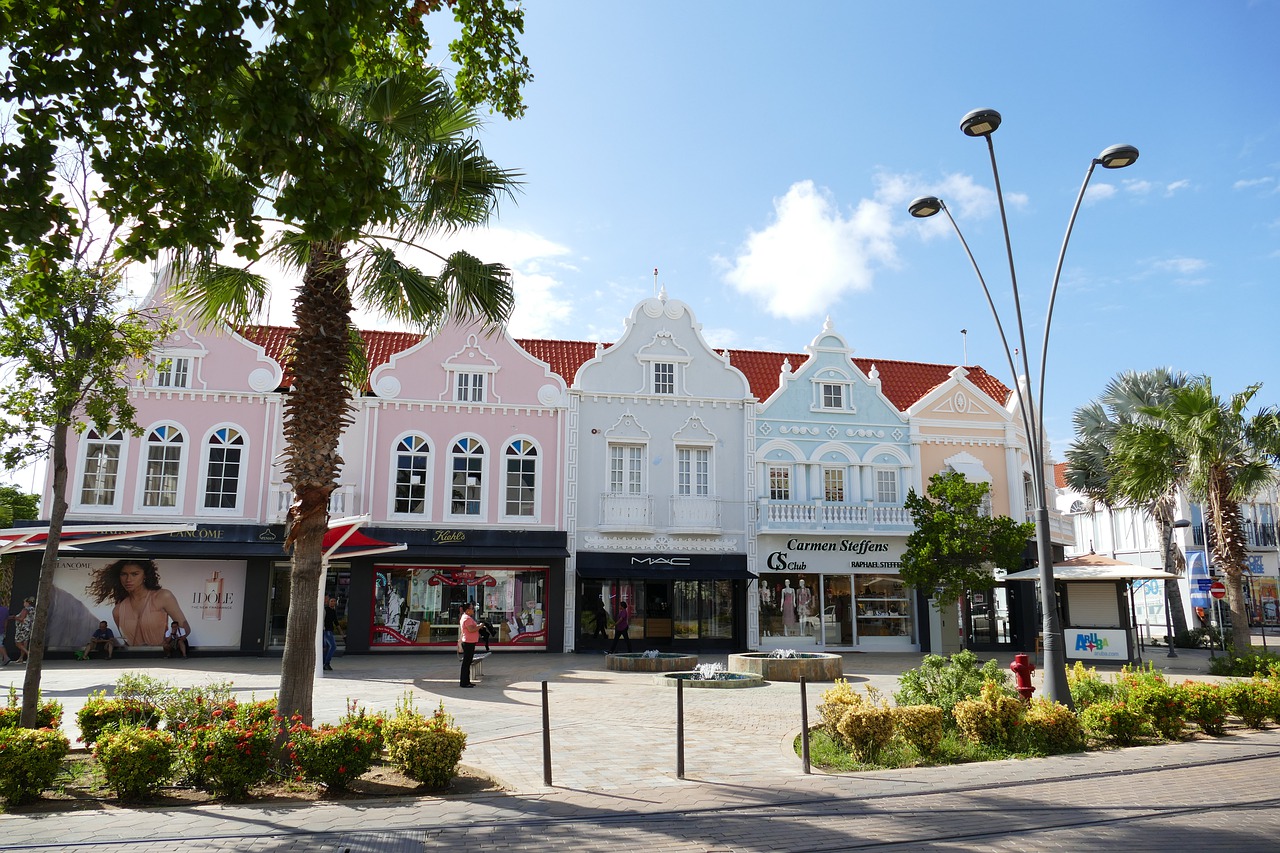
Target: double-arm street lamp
984 123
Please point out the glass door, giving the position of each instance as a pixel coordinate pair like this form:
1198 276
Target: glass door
837 610
685 610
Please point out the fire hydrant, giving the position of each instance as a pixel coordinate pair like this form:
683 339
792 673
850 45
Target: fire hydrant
1022 669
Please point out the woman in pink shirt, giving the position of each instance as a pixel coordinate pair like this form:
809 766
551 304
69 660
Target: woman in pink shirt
468 636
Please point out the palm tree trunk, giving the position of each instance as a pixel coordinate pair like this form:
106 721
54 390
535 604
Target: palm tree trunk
44 590
316 411
1228 546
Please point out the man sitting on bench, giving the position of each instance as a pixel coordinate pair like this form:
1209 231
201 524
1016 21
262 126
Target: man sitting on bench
175 639
104 638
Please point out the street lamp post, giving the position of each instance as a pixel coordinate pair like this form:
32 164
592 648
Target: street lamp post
1170 586
984 123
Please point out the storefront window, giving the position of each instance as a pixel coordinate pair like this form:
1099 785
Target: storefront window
790 610
883 606
419 605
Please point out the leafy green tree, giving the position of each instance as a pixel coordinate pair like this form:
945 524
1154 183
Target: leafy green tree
71 348
14 504
1089 462
445 183
1227 456
956 542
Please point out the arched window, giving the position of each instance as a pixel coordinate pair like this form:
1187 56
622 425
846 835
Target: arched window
163 473
522 478
413 464
224 455
101 468
466 487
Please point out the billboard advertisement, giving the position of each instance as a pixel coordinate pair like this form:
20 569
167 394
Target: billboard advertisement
138 598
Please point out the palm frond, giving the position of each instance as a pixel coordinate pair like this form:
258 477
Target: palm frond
214 293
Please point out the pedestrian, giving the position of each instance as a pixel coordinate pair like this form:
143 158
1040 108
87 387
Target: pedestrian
23 624
602 620
468 636
330 625
621 624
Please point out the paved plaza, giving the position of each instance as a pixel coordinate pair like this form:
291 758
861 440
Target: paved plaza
615 785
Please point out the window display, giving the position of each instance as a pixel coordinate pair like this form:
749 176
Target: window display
883 606
419 605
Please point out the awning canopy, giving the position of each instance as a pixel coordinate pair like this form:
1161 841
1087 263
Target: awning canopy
1093 567
344 540
20 540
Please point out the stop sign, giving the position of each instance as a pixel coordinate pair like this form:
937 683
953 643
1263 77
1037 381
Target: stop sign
1218 590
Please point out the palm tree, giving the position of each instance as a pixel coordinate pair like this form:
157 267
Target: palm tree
1089 459
443 183
1226 457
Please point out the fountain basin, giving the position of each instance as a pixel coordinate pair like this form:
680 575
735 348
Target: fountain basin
724 680
637 662
812 666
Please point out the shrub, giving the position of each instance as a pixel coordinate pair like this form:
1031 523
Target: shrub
1087 687
194 706
48 713
226 758
135 685
836 701
992 719
1118 722
1206 706
361 718
867 729
1163 705
333 755
424 748
1145 674
943 682
258 712
1249 700
920 726
100 713
1197 638
135 761
1254 662
29 761
1049 728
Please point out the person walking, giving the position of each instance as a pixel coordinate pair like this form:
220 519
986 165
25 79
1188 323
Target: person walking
23 623
468 636
602 620
330 625
621 624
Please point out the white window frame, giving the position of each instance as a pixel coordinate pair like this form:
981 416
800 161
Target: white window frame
665 377
827 387
411 445
834 480
475 455
775 475
92 437
173 438
694 471
527 457
207 449
470 386
627 467
173 372
833 395
887 478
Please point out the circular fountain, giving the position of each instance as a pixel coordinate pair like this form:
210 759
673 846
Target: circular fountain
651 661
709 676
789 665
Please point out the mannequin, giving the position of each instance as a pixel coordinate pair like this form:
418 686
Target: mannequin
788 608
803 601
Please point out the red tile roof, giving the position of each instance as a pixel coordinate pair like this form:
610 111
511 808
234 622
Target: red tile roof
1060 475
903 382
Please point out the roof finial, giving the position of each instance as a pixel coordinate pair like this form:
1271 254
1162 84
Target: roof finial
655 281
826 327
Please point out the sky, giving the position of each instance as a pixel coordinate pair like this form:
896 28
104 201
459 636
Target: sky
761 155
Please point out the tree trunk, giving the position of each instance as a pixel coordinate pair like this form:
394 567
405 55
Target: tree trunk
316 411
1228 546
44 593
1173 562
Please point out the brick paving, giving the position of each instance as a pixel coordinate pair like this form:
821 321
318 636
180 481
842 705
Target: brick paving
615 785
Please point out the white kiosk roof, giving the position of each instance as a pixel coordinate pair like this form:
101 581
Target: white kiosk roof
1093 567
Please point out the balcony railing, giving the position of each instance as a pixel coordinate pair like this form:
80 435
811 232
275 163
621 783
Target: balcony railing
626 512
690 514
1256 534
1062 529
776 516
342 502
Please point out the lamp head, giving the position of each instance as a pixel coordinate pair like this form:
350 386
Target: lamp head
1182 522
925 206
980 122
1117 157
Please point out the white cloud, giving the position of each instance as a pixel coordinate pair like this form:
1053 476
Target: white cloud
1099 192
1138 187
1251 183
1175 186
1181 266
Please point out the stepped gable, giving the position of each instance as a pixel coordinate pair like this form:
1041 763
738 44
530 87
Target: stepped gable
565 357
903 382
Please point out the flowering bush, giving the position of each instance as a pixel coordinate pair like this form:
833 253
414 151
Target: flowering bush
1206 706
333 755
992 719
29 761
135 761
427 749
1049 728
48 714
1253 662
194 706
1087 687
1249 700
1118 722
1163 705
867 729
836 702
101 713
373 723
920 726
226 758
942 682
259 712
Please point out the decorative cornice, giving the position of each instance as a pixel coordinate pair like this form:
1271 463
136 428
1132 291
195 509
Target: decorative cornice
660 542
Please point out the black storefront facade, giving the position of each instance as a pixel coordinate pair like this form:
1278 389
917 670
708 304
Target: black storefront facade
678 602
231 583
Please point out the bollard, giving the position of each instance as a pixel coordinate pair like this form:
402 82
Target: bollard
546 737
679 728
804 724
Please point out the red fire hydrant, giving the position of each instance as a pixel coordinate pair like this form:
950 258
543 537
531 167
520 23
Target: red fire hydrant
1022 669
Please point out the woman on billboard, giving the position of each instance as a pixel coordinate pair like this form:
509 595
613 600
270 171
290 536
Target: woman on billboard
143 608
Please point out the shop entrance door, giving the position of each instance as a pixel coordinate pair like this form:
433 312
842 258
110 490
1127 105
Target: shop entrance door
337 583
703 613
987 611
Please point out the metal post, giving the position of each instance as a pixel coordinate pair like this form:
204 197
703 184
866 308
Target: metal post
679 728
804 724
546 737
